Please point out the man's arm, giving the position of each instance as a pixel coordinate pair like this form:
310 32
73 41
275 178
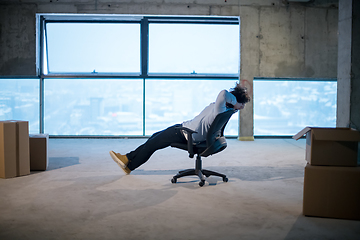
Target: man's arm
224 97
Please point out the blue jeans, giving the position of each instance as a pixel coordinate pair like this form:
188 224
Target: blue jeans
157 141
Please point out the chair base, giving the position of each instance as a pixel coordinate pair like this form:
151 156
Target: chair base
202 173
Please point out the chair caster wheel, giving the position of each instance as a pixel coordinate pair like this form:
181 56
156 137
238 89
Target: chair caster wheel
201 183
173 180
225 179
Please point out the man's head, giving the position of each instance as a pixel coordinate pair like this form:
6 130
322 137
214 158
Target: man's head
241 95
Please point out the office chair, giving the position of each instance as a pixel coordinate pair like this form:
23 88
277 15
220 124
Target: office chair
215 142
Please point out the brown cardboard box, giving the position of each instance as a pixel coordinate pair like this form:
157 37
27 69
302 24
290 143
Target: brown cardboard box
330 146
332 192
38 152
22 148
7 149
14 140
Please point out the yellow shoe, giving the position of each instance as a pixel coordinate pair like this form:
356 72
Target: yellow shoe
121 160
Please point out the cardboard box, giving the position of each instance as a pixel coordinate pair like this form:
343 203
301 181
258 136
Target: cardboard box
7 149
14 149
332 192
38 152
22 148
330 146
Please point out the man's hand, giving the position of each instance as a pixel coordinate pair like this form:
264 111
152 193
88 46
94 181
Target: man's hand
239 106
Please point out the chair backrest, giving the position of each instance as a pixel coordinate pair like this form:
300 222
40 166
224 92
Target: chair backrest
215 140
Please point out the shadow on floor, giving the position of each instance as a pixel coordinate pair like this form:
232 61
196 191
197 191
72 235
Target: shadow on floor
245 173
62 162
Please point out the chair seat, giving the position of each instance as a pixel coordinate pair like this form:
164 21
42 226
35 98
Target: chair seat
202 149
198 148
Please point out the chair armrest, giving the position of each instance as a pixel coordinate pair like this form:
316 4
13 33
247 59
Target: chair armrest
190 145
188 130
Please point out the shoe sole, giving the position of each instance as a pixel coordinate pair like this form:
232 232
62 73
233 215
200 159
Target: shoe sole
117 160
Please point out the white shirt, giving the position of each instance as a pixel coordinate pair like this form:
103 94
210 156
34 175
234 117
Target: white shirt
201 123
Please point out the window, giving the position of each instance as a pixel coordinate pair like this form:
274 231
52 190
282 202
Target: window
194 48
111 75
282 107
93 47
19 100
169 102
94 106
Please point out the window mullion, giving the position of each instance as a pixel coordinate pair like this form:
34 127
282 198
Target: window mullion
46 48
144 47
144 42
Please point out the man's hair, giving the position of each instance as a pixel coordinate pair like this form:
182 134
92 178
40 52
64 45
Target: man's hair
240 93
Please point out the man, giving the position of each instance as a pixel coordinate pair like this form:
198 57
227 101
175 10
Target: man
236 99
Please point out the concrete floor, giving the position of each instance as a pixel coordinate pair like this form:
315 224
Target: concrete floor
84 195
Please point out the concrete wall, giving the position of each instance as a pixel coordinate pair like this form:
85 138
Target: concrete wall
348 112
278 38
297 40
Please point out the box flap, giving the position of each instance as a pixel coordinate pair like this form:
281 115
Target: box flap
301 133
336 134
17 121
39 135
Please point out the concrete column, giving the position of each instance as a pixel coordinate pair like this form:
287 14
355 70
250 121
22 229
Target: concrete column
355 71
348 100
249 66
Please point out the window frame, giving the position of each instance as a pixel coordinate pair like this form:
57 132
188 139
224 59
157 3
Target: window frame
144 21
